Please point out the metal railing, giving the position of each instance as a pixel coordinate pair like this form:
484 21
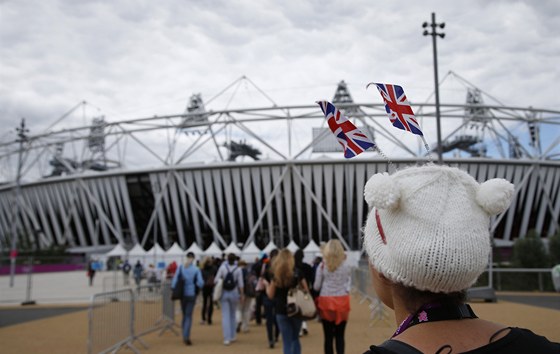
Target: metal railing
111 320
119 318
361 283
515 279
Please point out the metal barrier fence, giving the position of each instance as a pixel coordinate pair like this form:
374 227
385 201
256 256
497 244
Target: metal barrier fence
119 318
361 282
168 308
111 319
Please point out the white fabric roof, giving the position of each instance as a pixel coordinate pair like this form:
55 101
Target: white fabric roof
212 250
137 250
175 250
118 250
156 249
232 248
174 254
250 252
311 251
269 247
312 248
292 246
195 249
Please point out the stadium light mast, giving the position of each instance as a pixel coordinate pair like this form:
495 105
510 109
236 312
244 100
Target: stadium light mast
434 35
21 139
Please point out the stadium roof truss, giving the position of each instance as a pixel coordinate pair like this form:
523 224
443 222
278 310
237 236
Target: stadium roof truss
167 178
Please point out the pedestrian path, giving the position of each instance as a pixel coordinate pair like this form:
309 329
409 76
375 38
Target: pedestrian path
67 332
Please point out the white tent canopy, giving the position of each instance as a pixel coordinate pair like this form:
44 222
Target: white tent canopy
137 253
250 252
232 248
175 250
155 255
292 246
118 250
271 246
212 250
194 248
174 253
311 251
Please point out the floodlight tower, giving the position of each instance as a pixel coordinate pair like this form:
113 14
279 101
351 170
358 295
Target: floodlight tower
21 139
434 35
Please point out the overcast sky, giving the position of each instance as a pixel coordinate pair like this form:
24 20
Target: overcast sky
139 58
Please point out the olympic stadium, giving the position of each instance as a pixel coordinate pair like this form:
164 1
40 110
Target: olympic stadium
273 173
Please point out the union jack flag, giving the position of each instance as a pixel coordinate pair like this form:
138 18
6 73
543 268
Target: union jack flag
353 141
397 107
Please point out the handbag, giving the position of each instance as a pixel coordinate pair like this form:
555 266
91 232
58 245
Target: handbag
260 282
218 289
179 288
300 304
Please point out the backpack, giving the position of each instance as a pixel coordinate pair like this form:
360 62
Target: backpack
208 275
229 280
126 268
250 283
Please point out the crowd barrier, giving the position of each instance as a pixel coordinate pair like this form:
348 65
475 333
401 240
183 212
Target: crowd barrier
118 319
361 283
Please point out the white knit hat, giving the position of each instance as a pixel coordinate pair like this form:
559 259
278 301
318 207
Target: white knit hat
429 226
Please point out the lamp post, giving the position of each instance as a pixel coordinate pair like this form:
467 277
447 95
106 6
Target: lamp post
434 35
22 138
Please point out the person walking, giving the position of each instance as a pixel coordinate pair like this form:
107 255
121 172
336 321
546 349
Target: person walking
126 268
232 294
91 271
243 314
272 330
285 277
258 269
332 281
427 240
208 270
138 271
309 275
192 279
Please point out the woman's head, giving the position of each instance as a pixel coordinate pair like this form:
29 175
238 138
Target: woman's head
333 255
283 268
429 226
206 261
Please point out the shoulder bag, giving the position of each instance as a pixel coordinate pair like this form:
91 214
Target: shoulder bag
179 288
300 304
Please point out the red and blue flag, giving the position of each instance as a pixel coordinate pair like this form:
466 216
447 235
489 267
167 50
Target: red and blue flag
397 107
353 141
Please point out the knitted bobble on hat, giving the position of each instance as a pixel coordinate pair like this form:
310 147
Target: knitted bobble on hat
494 196
382 192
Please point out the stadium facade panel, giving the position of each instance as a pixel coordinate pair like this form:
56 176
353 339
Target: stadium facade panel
239 202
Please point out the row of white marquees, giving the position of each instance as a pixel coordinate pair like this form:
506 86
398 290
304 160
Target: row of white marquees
157 255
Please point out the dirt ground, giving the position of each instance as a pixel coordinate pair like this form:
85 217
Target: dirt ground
68 333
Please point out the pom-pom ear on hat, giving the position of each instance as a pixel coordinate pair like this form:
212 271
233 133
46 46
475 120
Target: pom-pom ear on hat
494 196
382 192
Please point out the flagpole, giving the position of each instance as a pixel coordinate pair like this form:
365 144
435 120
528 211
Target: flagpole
434 34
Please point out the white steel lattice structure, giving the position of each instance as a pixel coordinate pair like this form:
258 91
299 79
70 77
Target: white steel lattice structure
168 178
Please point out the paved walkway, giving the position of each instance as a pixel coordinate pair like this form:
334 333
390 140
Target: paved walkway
68 332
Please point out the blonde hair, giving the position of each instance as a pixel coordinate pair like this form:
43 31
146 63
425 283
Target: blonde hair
205 261
283 268
333 255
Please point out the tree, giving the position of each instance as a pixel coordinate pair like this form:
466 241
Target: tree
554 249
529 251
